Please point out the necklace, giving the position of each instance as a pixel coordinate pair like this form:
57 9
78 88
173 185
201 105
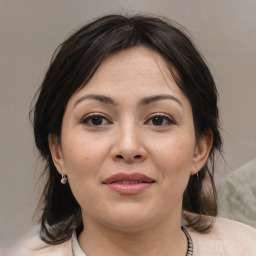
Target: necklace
77 251
190 243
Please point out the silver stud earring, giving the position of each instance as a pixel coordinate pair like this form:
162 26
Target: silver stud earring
64 179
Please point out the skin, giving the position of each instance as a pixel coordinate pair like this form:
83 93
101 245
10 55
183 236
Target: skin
128 139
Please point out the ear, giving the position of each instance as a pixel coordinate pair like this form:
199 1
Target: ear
56 152
201 152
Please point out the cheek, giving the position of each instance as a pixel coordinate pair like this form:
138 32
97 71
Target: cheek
175 154
174 158
83 155
83 162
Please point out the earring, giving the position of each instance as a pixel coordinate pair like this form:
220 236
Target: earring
198 179
64 179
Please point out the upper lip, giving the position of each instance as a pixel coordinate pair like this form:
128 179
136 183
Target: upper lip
127 177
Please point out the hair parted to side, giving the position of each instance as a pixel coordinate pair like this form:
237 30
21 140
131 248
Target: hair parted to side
74 63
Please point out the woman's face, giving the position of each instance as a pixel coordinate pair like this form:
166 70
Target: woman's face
128 143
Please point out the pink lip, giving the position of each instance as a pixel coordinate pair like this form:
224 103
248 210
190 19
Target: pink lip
115 182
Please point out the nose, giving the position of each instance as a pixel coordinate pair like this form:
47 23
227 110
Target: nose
128 145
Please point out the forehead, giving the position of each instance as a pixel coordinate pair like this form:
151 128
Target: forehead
127 79
135 56
138 71
138 63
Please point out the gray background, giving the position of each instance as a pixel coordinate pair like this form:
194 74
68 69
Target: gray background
30 30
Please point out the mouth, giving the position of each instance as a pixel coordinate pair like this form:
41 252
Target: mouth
129 181
128 184
124 178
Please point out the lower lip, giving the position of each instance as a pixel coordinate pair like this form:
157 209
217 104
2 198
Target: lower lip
129 189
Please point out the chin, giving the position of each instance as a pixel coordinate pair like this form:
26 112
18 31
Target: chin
131 219
129 225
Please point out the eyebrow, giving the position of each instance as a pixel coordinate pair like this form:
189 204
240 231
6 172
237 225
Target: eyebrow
100 98
144 101
152 99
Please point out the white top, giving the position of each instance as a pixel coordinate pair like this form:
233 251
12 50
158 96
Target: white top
76 249
227 238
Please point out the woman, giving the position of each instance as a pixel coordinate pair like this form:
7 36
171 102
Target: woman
127 122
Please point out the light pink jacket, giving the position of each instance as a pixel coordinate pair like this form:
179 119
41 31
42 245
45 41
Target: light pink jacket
227 238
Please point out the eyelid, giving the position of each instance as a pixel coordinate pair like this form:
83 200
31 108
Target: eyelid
90 115
172 120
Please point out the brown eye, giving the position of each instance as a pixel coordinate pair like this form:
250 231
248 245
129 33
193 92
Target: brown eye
160 120
95 120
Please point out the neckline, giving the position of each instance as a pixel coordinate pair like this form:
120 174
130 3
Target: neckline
77 251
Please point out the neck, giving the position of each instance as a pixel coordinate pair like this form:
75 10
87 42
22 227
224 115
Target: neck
165 238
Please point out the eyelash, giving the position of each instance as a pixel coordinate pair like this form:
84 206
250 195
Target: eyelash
89 118
169 120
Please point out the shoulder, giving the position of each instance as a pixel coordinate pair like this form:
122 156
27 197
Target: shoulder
32 245
227 237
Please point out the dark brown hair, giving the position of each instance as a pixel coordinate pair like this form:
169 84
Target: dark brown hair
74 63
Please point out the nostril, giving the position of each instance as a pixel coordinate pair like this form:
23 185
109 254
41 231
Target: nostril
138 156
119 156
